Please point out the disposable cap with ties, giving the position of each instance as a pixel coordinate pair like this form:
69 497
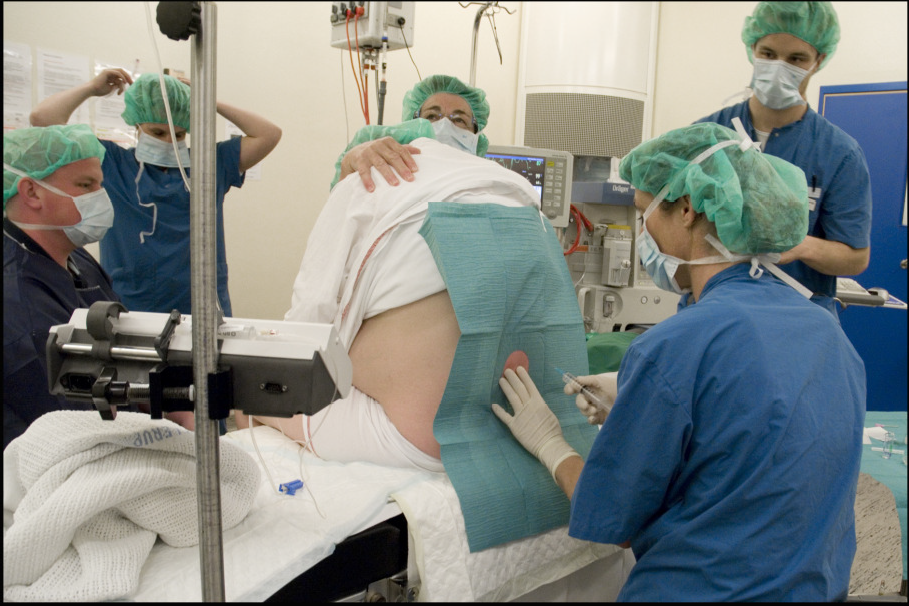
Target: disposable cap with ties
759 203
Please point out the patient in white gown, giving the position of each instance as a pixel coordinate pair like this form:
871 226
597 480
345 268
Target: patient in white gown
367 270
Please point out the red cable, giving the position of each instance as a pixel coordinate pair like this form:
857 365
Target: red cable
587 223
366 96
365 103
577 239
352 68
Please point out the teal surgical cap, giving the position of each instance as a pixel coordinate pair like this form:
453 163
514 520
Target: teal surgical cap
475 97
144 103
758 202
39 151
813 22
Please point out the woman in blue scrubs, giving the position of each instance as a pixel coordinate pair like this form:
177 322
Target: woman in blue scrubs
147 250
730 459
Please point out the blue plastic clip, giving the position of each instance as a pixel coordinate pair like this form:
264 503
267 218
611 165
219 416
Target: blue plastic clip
291 487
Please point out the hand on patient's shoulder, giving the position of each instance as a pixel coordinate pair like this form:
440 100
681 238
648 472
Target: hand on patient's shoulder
388 156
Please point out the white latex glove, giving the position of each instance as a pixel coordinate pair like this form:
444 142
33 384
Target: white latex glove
533 424
603 386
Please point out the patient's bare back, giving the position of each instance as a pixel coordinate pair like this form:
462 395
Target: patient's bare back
402 358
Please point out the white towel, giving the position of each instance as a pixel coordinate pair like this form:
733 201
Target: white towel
355 224
87 499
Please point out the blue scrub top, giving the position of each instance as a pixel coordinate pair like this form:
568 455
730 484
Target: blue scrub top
155 276
38 293
839 186
731 457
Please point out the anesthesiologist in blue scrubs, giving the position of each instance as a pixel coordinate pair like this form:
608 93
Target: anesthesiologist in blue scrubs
53 205
730 459
788 42
147 250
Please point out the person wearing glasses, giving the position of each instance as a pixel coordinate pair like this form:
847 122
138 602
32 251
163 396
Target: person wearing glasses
453 112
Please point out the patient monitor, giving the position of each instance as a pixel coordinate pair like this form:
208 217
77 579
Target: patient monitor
110 357
548 170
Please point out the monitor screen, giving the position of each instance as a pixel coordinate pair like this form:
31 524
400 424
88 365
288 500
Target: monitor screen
531 167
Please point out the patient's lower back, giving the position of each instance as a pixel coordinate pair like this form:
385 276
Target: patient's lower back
402 358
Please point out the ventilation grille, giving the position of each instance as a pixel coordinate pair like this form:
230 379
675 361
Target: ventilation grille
583 124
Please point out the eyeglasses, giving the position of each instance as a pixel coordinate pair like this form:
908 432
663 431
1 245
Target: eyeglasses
460 120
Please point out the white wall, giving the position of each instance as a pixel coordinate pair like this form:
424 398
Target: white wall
274 58
701 59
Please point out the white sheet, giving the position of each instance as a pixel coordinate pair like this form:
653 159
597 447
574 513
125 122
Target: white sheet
284 536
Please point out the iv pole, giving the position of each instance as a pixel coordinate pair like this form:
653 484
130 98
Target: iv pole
206 313
180 21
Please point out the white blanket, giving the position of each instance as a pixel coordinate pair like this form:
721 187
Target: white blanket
283 536
85 499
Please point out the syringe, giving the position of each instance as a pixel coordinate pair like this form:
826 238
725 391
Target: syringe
567 377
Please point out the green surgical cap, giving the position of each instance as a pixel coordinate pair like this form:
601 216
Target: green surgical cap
39 151
144 103
758 202
475 97
813 22
417 96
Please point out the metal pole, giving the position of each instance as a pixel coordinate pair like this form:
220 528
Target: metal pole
205 311
473 52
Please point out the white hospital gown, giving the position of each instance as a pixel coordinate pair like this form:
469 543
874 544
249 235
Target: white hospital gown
365 256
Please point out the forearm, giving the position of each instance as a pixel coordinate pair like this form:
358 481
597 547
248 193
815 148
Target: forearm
57 108
261 135
829 257
567 474
251 124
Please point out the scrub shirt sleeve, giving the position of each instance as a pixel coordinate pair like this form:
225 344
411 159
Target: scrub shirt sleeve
845 215
228 163
628 477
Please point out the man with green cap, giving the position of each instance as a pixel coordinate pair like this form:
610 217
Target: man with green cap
53 205
439 107
147 250
787 42
729 460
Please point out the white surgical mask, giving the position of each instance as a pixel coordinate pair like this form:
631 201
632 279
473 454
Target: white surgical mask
776 83
154 151
95 208
458 138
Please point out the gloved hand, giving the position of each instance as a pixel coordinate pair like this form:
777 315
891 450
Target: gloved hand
603 386
533 424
